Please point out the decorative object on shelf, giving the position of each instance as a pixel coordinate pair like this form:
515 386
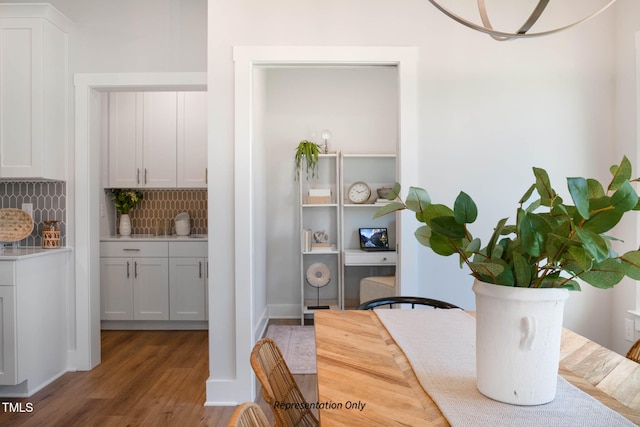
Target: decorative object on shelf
307 153
318 196
125 225
125 200
383 192
51 234
15 224
326 136
359 192
551 245
522 32
318 275
183 224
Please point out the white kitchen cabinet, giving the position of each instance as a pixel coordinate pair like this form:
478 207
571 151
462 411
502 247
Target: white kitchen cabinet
188 274
142 139
33 92
191 157
134 287
33 318
157 140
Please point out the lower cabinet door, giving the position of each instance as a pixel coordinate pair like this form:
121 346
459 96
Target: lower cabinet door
116 288
151 289
8 343
187 284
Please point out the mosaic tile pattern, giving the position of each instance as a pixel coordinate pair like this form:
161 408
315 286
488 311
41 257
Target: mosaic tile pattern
49 203
159 205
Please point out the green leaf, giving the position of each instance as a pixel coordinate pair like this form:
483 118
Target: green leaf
423 235
465 210
625 198
604 275
579 190
448 226
595 189
631 264
434 211
603 216
487 269
442 245
417 200
527 194
543 186
594 244
494 237
533 231
621 174
388 208
521 271
395 192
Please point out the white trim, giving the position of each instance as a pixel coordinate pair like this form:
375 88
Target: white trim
246 58
637 38
87 181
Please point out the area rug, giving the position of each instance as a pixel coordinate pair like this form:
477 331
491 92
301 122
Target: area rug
298 346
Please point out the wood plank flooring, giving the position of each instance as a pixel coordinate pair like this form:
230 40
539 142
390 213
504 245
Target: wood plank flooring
146 378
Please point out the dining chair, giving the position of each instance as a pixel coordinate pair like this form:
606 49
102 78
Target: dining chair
279 388
248 414
391 301
634 352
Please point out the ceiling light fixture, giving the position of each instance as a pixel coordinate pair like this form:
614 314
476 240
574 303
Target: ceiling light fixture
487 28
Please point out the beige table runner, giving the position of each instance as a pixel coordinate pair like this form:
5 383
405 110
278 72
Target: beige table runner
440 346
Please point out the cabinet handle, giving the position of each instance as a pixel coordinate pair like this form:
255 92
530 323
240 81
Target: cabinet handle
135 269
207 270
206 175
200 269
138 176
128 275
384 259
131 250
145 176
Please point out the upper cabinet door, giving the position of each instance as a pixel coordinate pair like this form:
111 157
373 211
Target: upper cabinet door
159 140
192 140
125 139
33 103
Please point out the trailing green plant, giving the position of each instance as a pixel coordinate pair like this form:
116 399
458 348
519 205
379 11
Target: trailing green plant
551 243
125 199
307 152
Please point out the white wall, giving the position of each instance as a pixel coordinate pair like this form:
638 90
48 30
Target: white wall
488 111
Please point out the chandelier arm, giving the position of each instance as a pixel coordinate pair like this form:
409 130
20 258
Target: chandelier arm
533 18
506 35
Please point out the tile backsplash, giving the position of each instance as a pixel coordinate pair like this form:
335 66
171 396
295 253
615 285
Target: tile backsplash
49 203
159 205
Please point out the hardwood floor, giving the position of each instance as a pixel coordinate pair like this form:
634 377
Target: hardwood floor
146 378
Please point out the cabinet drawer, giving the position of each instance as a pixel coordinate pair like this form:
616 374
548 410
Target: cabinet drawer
134 249
370 258
6 273
188 249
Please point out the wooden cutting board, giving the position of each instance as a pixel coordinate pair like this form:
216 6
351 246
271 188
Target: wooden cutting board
15 224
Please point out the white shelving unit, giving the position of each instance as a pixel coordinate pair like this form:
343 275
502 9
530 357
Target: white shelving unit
377 171
341 220
317 215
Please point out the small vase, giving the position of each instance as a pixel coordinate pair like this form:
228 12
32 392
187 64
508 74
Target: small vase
518 334
125 225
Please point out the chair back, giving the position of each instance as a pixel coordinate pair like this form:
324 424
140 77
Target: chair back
391 301
634 352
248 414
279 388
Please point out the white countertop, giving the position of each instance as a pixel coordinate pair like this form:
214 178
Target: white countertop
152 238
11 254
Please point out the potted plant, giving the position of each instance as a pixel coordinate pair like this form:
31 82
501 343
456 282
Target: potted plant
307 154
125 200
533 261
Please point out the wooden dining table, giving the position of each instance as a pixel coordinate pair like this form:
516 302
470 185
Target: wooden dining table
365 379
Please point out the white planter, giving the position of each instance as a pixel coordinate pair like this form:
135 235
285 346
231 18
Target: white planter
518 334
125 225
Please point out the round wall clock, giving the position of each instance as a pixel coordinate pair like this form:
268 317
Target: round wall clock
359 192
